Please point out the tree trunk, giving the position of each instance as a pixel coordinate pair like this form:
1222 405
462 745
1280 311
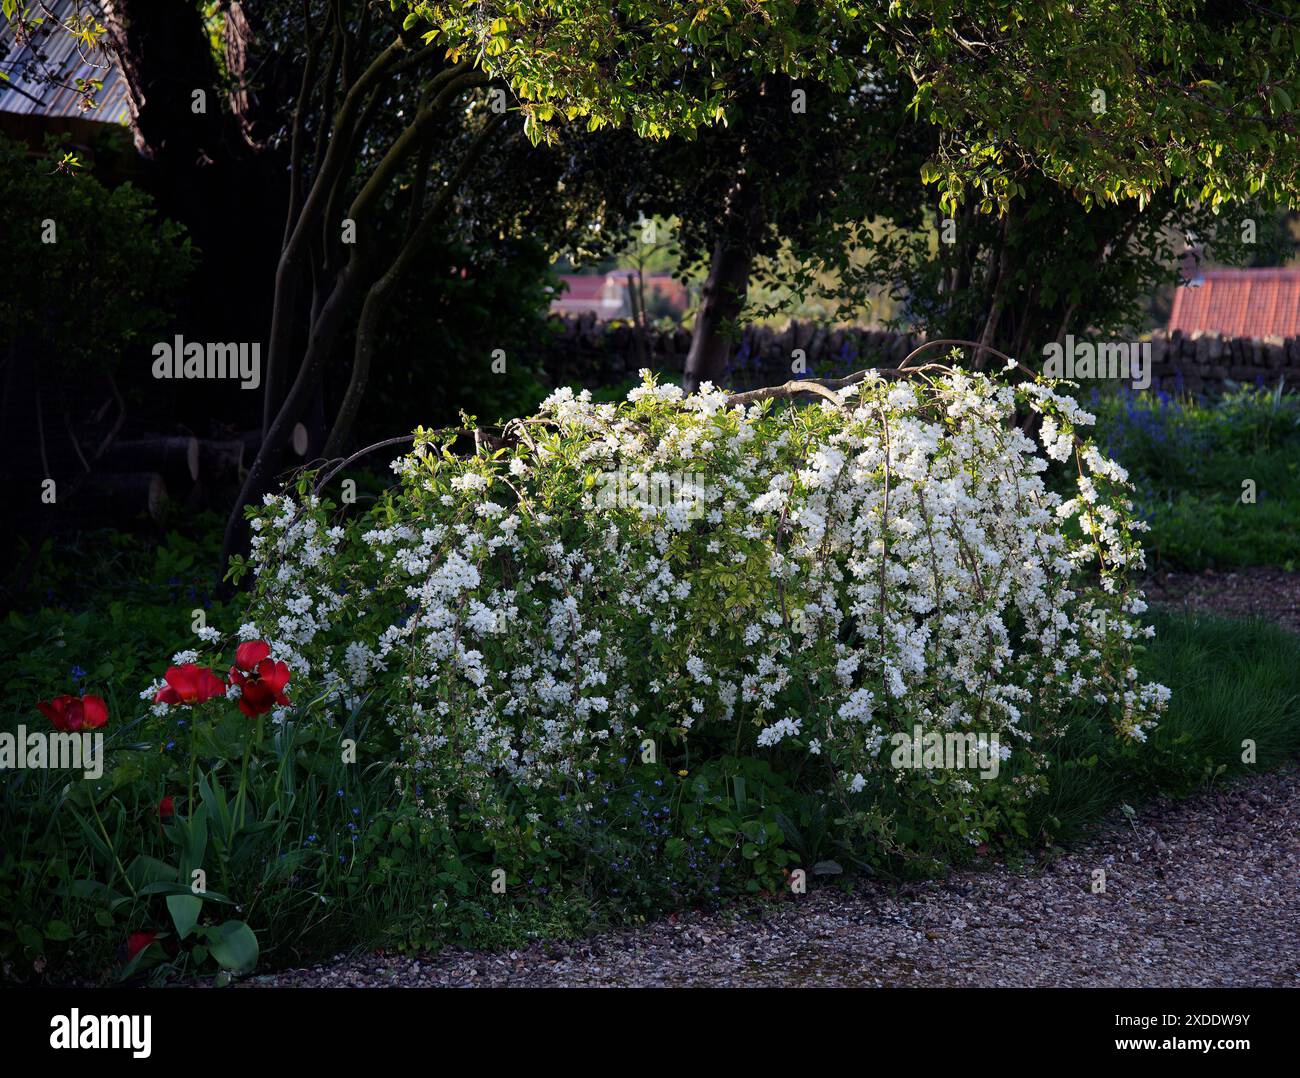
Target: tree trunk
997 300
725 287
275 441
120 497
201 165
166 60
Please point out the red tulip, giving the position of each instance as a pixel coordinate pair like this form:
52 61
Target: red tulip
250 653
190 684
94 712
137 942
71 713
166 809
56 710
261 682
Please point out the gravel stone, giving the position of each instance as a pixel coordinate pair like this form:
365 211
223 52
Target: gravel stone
1260 591
1199 893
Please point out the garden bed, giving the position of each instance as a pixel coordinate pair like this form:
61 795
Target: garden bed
439 629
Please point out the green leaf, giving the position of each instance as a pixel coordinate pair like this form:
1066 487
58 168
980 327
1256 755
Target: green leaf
144 871
31 939
721 829
196 844
162 887
214 799
58 931
185 910
97 843
233 945
88 889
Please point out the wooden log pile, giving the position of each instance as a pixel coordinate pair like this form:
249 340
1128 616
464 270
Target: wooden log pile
142 475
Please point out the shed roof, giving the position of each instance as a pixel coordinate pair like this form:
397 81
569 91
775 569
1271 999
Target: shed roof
43 68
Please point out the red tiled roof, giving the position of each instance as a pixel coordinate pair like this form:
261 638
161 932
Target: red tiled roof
584 286
606 294
1239 303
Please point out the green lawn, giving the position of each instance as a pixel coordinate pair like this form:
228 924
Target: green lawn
1189 461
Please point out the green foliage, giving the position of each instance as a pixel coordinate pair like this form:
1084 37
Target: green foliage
93 270
1236 681
1109 100
101 606
1189 460
1052 265
461 307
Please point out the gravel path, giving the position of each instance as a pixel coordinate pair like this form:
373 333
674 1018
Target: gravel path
1260 591
1205 892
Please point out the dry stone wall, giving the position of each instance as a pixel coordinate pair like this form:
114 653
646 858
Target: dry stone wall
585 351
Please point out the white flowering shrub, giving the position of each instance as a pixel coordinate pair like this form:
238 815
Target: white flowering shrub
825 577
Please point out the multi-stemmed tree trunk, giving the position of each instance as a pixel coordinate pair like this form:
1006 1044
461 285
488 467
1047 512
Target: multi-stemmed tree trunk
324 268
314 264
334 260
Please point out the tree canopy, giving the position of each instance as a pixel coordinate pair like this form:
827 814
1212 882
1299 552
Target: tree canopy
1112 100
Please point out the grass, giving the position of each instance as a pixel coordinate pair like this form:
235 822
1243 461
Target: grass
1190 460
1233 681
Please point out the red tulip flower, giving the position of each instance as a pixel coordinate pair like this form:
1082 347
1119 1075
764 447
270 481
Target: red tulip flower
167 809
261 682
190 684
250 653
71 713
137 942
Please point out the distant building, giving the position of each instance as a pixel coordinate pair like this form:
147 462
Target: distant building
606 295
1239 303
49 73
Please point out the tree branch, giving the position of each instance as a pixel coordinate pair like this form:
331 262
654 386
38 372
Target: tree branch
825 387
380 292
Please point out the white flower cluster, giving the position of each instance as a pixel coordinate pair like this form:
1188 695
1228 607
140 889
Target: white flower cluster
896 559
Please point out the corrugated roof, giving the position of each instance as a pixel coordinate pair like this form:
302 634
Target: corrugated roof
48 50
1239 303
